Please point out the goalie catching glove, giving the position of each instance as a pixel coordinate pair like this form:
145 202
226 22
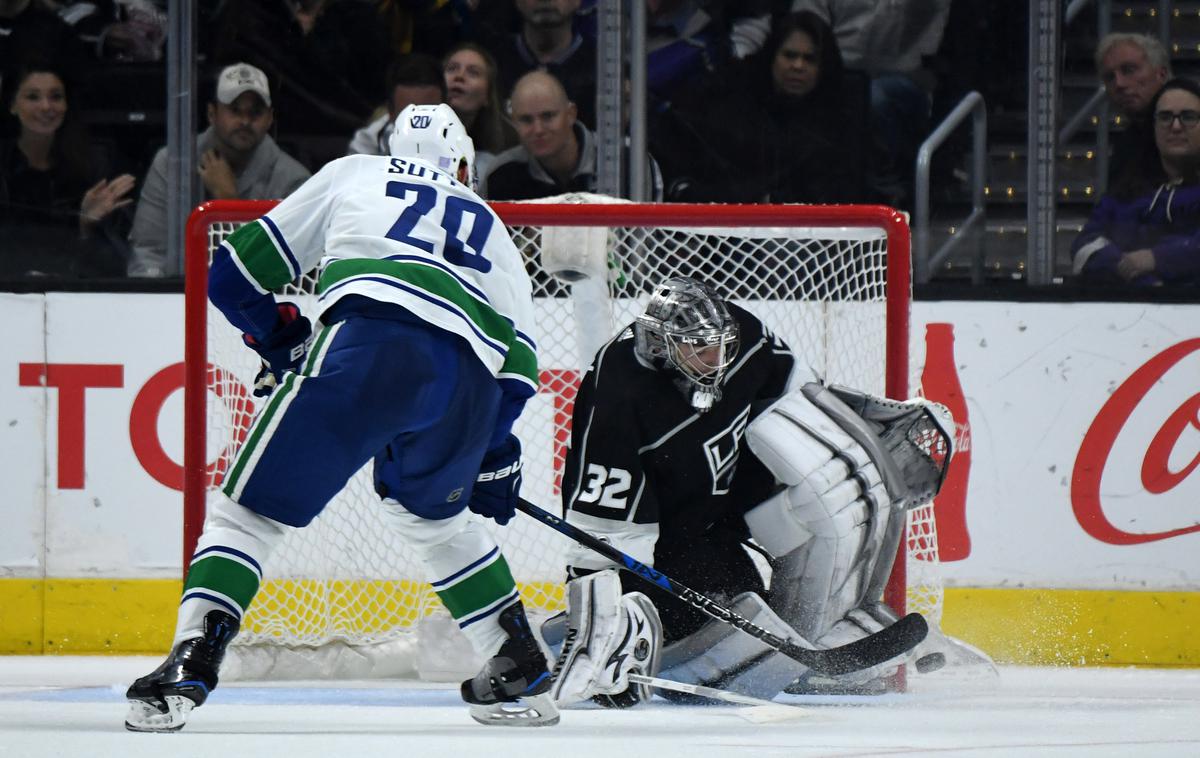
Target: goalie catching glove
918 434
608 637
282 350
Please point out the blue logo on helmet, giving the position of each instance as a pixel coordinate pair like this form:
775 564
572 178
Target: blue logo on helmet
420 122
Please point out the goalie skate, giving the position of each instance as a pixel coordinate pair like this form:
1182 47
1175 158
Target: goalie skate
512 688
162 700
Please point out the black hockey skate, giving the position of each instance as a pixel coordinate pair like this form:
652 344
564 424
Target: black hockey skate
162 700
512 689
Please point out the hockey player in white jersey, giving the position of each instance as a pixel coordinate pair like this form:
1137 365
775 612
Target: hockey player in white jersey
422 362
659 467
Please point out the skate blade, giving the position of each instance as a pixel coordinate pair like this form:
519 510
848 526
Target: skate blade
144 717
537 710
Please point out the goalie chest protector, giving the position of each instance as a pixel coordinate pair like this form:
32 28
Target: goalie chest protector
640 453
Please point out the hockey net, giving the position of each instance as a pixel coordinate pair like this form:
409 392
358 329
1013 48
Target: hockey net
341 596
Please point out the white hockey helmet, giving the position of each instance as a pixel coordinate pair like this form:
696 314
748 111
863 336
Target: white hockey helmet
434 134
687 327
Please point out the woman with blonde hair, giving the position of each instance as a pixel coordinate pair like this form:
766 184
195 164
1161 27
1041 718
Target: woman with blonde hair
472 90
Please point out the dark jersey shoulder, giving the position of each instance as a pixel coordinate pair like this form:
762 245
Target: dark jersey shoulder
641 453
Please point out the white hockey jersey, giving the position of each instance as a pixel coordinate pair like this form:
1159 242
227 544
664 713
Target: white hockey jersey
398 230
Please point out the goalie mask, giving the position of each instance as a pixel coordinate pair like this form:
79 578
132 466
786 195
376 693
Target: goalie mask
434 134
687 328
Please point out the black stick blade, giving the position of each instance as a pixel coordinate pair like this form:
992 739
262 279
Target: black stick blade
884 645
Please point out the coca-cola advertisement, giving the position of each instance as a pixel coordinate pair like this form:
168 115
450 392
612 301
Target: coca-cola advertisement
1078 434
940 383
1117 465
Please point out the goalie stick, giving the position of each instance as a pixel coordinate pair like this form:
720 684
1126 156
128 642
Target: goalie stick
709 692
884 645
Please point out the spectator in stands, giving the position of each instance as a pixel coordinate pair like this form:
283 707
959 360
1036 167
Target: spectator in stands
741 26
433 26
32 33
548 40
414 79
120 30
557 153
59 214
685 42
237 159
1133 68
890 43
474 94
1146 231
326 61
783 126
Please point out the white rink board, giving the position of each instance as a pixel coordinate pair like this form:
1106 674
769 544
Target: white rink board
22 437
1036 378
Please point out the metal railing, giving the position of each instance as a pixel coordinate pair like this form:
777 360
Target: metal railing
1097 105
971 228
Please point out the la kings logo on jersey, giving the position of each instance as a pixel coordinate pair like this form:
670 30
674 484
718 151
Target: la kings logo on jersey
721 452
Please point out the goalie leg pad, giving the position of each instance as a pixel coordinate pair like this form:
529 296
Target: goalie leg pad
910 442
826 548
608 637
718 655
829 530
794 438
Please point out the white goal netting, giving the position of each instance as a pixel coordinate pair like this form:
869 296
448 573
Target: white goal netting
345 584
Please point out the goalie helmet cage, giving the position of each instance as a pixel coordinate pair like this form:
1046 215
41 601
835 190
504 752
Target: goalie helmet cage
833 281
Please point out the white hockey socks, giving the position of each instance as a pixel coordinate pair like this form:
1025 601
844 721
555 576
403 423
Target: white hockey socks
466 568
226 569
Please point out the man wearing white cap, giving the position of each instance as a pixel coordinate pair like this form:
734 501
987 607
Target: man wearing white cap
237 159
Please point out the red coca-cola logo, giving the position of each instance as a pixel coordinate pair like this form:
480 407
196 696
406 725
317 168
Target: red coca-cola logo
1157 477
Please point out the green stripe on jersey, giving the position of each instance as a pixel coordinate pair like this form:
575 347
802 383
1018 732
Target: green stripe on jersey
258 253
479 590
445 287
520 360
228 577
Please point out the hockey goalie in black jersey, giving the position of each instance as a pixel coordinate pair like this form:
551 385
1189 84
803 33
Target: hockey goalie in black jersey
695 430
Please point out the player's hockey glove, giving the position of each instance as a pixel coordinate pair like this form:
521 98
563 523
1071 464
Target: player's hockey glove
282 350
498 485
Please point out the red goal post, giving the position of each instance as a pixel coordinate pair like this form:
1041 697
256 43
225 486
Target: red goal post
832 280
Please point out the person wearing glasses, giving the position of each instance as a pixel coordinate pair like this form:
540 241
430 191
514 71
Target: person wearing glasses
1146 231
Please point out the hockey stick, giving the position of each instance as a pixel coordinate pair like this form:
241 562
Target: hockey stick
702 691
884 645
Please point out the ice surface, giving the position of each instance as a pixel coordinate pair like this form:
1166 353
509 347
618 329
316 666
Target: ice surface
74 706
